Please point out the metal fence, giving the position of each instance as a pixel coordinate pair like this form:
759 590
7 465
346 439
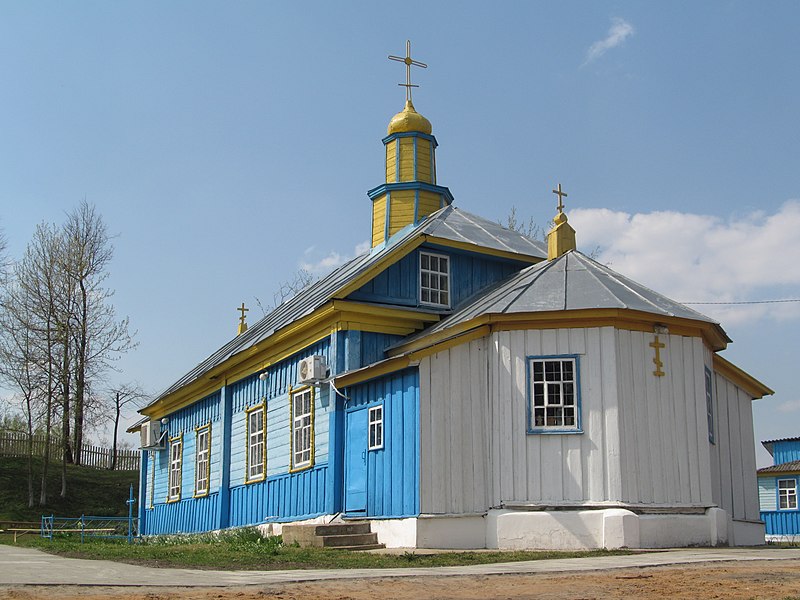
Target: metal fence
13 443
90 526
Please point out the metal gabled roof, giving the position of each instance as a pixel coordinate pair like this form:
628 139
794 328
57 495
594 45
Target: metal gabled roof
460 226
787 467
572 281
448 223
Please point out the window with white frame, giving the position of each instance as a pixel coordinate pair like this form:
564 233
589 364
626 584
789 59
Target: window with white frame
175 463
302 428
202 461
787 494
554 401
256 454
434 279
710 405
376 427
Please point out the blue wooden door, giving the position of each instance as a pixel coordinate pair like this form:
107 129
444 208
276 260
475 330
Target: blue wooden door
355 497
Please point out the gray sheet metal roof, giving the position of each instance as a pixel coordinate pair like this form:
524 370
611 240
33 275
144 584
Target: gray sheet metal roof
448 223
787 467
571 282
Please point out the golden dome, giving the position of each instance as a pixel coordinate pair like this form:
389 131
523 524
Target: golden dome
409 120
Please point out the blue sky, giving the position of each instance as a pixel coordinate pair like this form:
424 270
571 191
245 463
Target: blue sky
229 143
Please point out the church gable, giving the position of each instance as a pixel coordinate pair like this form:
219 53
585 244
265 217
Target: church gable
445 282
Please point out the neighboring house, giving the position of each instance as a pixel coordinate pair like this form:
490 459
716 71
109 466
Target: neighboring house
461 385
777 490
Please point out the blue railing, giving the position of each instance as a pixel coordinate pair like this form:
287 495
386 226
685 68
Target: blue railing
91 526
781 522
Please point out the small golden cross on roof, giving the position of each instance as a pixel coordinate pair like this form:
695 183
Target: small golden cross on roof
242 324
560 194
408 62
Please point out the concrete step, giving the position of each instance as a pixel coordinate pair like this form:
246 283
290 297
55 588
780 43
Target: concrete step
358 548
343 528
349 540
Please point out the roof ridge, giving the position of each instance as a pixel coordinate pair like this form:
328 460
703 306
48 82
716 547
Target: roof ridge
467 216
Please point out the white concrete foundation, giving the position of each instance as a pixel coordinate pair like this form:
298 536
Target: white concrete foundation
748 533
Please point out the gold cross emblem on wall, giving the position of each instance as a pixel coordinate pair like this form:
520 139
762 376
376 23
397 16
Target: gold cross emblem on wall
657 345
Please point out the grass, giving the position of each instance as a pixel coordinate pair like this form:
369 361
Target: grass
246 549
89 491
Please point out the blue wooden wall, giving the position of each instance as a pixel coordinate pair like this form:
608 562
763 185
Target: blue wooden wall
393 471
781 522
188 514
469 274
282 496
783 452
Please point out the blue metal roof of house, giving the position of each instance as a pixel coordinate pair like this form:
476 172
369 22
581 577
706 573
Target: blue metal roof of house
448 223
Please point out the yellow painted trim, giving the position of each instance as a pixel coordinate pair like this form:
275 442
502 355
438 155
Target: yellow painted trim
397 254
735 375
432 239
401 362
619 318
292 392
197 431
382 368
247 411
170 500
337 315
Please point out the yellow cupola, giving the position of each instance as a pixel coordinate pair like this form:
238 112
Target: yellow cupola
410 192
561 238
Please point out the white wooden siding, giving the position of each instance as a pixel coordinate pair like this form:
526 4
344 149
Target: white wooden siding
644 440
767 496
453 424
663 433
733 455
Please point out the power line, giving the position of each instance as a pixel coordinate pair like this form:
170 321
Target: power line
783 301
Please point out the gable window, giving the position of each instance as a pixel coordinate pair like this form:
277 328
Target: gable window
376 428
175 464
787 494
434 279
709 406
302 428
256 447
202 461
554 394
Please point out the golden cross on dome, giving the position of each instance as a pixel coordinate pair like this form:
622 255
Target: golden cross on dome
408 62
559 193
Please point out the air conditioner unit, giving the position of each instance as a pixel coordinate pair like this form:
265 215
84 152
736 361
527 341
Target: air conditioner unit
151 435
312 369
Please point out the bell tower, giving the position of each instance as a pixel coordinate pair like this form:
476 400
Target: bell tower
410 192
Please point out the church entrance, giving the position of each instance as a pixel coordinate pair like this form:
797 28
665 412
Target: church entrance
355 496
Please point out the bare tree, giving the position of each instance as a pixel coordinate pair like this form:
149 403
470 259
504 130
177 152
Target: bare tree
37 304
98 338
121 396
287 289
528 228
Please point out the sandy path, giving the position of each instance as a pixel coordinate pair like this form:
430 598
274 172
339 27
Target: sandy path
759 579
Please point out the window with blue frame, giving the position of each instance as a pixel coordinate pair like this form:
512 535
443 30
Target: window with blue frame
202 462
434 279
710 405
554 403
787 494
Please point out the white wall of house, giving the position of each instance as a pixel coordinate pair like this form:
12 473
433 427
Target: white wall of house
644 442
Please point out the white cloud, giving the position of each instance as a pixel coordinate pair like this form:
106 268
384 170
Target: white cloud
789 406
620 31
327 263
702 258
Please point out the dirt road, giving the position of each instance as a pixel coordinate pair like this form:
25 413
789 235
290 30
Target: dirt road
757 579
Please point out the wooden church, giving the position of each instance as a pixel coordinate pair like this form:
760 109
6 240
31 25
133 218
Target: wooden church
460 385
